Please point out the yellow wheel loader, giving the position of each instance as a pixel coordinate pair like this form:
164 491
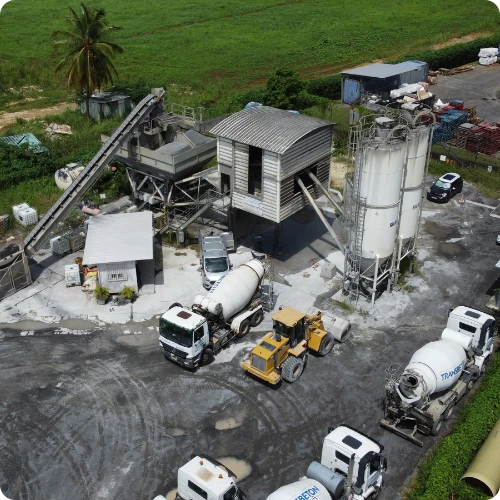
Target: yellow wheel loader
282 354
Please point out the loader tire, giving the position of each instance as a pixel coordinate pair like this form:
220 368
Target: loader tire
437 426
327 343
292 369
257 318
244 328
449 411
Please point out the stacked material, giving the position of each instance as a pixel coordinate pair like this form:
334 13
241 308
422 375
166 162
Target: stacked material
488 56
449 119
25 215
491 144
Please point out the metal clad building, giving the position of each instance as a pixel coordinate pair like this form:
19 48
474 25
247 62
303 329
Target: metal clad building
119 244
106 104
260 152
378 76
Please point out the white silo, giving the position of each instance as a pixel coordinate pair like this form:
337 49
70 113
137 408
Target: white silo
418 146
380 186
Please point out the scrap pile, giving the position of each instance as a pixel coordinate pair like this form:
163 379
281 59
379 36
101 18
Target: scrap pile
488 56
449 117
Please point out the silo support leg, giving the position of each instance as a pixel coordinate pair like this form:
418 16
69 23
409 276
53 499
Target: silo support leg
375 277
398 262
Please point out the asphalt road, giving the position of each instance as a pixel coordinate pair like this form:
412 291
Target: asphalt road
104 416
479 87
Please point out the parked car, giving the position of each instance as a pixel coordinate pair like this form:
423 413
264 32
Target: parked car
214 258
445 188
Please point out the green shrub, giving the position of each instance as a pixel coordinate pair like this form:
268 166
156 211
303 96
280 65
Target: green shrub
101 292
439 474
128 292
329 87
454 55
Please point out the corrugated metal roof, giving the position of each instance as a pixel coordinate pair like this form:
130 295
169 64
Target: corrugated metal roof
380 70
119 238
267 128
33 143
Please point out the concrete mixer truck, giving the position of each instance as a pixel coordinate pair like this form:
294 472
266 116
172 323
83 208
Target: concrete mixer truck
191 336
439 374
351 467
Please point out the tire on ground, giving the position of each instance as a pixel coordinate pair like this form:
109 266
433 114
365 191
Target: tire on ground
257 318
437 426
327 343
449 411
292 369
175 304
244 328
207 356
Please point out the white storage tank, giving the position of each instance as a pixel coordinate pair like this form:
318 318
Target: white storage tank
433 368
72 275
231 293
418 145
381 179
65 176
27 217
60 245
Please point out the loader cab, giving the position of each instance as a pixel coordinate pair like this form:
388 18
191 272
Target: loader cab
289 323
344 443
204 478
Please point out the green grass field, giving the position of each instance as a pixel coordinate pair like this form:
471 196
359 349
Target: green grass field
235 43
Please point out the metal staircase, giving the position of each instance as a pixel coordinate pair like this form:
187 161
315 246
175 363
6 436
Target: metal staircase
356 218
90 174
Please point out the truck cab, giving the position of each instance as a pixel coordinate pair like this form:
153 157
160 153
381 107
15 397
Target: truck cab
345 442
204 478
476 325
183 336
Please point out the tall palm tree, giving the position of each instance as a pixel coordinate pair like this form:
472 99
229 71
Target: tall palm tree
88 50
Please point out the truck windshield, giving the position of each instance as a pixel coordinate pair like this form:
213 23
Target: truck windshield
216 265
442 185
175 333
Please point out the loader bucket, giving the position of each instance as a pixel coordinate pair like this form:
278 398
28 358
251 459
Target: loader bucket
405 435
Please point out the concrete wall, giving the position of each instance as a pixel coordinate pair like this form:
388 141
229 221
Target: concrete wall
108 274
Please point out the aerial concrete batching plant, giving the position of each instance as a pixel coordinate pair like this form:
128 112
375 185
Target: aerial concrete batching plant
388 157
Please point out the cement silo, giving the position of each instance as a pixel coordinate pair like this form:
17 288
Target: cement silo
378 153
380 186
419 137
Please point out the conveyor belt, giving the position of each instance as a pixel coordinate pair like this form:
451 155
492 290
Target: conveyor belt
89 175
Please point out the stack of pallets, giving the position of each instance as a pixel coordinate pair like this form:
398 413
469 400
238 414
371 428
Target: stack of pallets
491 144
475 139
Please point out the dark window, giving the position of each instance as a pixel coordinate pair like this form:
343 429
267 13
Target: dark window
472 314
229 495
198 334
342 457
299 331
466 327
352 442
375 465
254 170
197 489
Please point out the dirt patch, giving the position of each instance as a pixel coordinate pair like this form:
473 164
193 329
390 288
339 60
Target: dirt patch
461 39
451 249
338 169
439 231
7 118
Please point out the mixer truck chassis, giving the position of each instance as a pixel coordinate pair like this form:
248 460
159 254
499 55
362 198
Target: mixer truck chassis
407 422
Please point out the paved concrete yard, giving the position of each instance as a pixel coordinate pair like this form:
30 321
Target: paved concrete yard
479 87
95 412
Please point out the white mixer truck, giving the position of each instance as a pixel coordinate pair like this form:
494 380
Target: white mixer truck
351 467
438 375
191 336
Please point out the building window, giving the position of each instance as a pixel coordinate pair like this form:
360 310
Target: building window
254 170
117 275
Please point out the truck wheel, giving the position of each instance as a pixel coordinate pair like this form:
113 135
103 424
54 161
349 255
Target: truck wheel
257 318
175 304
207 356
292 369
326 345
244 328
449 411
485 364
437 426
